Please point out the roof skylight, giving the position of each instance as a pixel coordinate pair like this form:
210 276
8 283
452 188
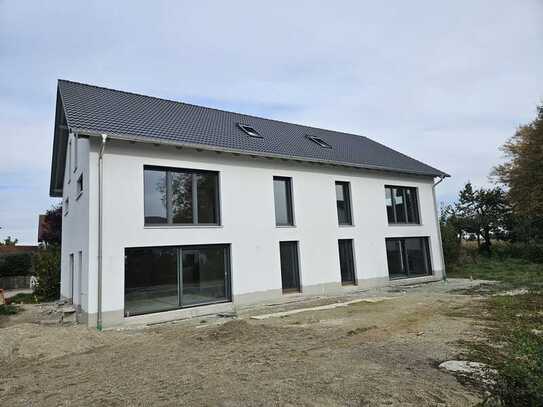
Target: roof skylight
249 130
319 141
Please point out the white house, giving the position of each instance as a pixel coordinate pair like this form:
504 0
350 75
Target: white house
173 210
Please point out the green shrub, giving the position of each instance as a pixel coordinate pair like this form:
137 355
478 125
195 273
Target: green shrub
47 266
8 309
24 298
451 246
19 264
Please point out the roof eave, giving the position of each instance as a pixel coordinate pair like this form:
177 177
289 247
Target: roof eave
206 147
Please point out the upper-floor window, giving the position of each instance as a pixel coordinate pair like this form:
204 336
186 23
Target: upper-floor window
76 142
282 192
69 155
180 196
343 203
79 186
402 204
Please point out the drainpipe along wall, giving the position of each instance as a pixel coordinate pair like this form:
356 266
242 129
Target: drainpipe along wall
439 227
100 223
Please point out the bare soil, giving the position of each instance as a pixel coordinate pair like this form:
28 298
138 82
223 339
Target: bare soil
383 353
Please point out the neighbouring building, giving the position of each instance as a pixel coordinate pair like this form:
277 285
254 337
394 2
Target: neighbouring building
174 210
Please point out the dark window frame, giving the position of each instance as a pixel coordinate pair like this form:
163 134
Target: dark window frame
250 130
346 185
295 263
406 211
319 141
79 186
405 258
351 259
290 201
194 191
179 270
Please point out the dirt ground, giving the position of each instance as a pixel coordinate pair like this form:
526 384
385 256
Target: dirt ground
382 353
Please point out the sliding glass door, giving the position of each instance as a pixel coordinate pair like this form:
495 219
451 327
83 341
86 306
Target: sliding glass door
408 257
165 278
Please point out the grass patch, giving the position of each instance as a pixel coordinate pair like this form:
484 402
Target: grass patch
8 309
514 330
24 298
511 273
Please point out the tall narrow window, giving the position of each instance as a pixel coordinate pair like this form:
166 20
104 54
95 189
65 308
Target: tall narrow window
282 191
76 158
290 273
346 261
72 276
180 196
402 204
408 257
79 186
69 156
343 203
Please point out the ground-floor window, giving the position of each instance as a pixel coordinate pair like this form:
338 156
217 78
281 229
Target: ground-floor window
346 261
408 257
166 278
290 273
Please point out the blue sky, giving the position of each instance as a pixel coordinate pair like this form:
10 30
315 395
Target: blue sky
444 82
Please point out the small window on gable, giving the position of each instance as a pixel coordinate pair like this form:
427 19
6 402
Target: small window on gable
79 185
249 130
319 141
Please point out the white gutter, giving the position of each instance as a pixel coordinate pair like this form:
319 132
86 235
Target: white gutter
100 223
439 227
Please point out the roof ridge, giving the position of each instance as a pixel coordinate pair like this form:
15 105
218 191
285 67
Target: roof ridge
215 109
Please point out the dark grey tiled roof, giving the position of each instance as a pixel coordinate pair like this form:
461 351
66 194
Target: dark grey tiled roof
93 110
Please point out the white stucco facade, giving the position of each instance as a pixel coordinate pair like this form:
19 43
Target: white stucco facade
247 224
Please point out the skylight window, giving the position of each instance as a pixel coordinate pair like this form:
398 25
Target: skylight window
319 141
249 130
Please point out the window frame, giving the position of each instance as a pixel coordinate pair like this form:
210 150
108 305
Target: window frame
319 141
75 148
293 245
416 208
290 201
405 258
352 259
250 130
66 205
194 191
79 186
346 185
226 247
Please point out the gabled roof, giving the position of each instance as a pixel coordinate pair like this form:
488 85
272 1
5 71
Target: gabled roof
93 110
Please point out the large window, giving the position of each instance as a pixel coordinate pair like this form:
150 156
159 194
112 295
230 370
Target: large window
408 257
402 204
282 192
343 203
165 278
180 196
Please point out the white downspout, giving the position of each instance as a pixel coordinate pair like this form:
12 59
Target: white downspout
439 227
100 216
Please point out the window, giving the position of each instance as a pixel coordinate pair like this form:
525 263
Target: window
408 257
69 155
66 206
249 130
180 196
343 203
319 141
290 273
79 186
346 261
76 142
72 273
282 192
402 204
165 278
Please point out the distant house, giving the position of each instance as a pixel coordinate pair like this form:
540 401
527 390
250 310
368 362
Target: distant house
173 210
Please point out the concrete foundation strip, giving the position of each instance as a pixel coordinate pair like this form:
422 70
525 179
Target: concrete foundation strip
322 307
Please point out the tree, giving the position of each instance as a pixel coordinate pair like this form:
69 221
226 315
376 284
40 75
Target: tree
8 241
484 213
522 173
51 232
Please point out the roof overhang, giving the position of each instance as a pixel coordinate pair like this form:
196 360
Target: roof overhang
60 140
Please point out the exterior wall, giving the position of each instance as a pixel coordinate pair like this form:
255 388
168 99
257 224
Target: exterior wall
247 222
75 226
